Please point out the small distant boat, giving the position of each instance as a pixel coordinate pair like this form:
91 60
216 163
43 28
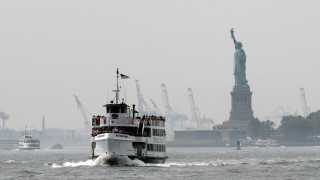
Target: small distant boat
57 146
265 143
27 142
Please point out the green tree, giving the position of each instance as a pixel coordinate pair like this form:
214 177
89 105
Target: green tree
296 128
254 126
266 129
261 129
314 118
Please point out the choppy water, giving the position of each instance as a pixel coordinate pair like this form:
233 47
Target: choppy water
183 163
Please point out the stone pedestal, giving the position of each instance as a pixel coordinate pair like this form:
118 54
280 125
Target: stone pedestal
241 111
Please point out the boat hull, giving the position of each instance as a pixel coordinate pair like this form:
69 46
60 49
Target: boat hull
114 159
28 148
152 160
121 145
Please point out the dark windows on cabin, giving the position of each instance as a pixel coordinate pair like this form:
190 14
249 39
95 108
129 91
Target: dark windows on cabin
156 147
31 141
146 132
158 132
116 109
156 122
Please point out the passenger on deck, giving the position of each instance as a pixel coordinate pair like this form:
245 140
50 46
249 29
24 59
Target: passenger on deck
93 120
115 130
95 132
98 120
104 120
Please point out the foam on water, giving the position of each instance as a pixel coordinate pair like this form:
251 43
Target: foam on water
181 164
107 160
102 161
235 162
9 161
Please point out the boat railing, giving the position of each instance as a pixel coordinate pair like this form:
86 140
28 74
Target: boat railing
98 120
150 121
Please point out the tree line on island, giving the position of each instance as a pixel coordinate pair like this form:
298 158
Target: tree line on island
292 128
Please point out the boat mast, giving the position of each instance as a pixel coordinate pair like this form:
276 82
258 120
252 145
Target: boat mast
117 91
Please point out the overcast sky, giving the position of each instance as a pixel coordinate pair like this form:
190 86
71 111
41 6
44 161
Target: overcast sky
52 49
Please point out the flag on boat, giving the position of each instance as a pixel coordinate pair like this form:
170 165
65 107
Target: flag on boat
124 76
114 116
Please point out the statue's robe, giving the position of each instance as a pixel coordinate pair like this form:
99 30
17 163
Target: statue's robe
239 70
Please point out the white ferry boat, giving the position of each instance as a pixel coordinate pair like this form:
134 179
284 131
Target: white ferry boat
27 142
122 132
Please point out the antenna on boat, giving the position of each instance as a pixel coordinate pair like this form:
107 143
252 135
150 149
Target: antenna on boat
117 91
125 95
108 95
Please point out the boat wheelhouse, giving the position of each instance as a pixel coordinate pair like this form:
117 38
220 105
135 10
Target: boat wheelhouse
122 132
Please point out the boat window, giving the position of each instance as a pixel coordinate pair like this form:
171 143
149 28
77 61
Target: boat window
156 147
158 132
116 109
123 109
146 132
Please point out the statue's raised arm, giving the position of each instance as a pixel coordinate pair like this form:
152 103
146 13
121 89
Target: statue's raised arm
239 69
232 36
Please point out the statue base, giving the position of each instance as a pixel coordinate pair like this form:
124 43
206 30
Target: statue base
241 111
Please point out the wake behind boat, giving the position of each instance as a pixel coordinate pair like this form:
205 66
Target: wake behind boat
122 132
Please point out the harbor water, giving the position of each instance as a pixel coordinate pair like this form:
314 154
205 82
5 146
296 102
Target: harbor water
183 163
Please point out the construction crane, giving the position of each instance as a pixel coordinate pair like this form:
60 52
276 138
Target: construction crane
305 108
277 114
170 113
43 124
83 110
4 117
156 109
207 121
194 110
143 107
201 122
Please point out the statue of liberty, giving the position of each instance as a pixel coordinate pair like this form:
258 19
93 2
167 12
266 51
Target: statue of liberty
239 69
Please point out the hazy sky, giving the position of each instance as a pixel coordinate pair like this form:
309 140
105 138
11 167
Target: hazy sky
52 49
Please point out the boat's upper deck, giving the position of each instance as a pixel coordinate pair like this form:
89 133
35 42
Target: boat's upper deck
122 115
